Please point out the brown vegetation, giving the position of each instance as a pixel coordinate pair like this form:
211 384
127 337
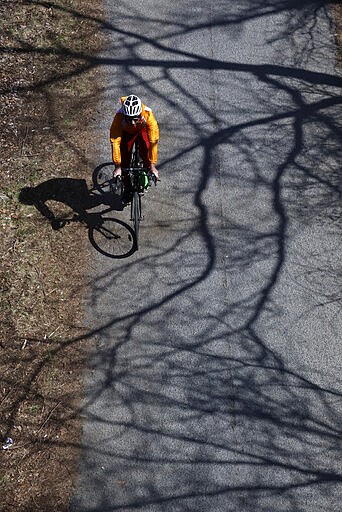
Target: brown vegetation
337 12
48 100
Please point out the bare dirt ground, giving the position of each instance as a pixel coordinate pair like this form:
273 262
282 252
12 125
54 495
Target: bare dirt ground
49 90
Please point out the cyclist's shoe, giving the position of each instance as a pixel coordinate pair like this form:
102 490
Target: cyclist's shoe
126 197
117 185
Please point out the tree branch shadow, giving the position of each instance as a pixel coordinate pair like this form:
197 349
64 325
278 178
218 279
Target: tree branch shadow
231 406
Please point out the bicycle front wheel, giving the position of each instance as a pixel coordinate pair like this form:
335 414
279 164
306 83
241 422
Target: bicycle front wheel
113 238
136 215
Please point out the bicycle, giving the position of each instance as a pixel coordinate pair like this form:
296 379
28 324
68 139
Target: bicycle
131 187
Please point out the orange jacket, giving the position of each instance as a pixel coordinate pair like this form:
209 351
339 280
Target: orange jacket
120 125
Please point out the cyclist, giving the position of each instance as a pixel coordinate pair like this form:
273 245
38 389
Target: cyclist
134 121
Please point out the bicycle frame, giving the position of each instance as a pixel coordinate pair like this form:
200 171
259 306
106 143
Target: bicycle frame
136 177
137 183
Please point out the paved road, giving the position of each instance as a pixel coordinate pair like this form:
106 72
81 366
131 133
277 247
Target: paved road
216 380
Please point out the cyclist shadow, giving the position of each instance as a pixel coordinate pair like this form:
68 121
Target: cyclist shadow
71 192
74 194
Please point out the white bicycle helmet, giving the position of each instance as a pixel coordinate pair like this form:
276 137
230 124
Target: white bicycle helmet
132 106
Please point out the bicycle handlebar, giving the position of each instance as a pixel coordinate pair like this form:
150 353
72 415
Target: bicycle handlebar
151 176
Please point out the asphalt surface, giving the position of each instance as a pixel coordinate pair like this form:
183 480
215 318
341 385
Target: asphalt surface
215 383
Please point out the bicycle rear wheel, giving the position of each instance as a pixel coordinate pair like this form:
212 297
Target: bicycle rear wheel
113 238
136 215
103 176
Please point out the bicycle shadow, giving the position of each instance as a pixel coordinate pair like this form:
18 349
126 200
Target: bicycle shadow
109 236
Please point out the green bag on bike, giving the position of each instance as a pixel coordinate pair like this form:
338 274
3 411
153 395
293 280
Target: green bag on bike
143 180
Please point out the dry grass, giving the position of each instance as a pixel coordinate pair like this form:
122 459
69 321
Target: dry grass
337 12
48 100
